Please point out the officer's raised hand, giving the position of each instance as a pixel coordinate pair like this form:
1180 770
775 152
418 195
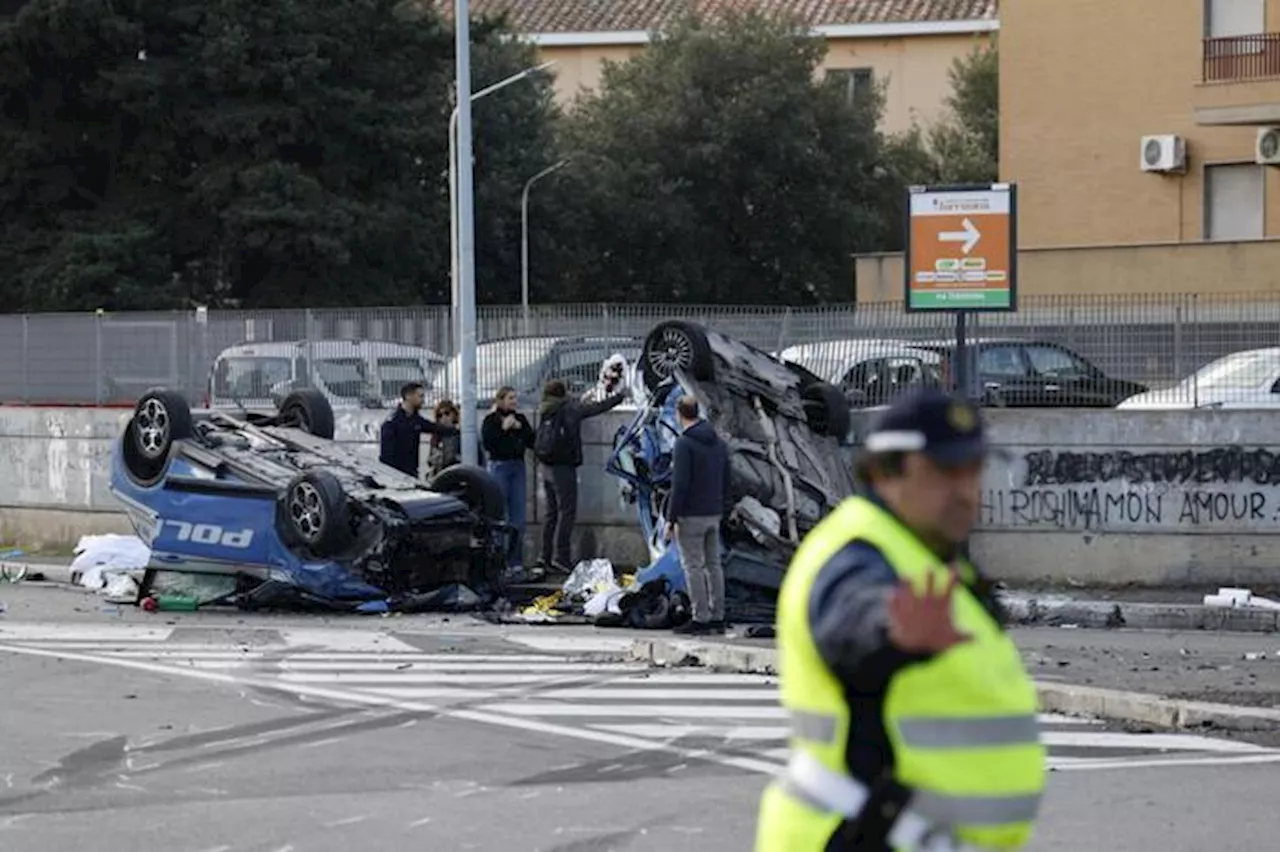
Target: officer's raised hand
920 623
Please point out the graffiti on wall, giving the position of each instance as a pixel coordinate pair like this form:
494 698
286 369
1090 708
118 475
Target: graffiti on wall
1214 489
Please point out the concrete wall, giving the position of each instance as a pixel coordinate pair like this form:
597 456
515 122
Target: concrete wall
1104 497
914 68
1075 153
58 461
1217 267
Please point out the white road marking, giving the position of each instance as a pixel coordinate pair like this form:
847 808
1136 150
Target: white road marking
682 711
1181 742
588 644
1156 763
694 715
340 639
677 732
363 679
348 821
498 719
642 694
18 631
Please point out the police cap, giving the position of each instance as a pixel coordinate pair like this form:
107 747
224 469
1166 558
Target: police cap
945 428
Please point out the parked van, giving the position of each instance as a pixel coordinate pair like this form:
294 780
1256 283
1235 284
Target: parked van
351 373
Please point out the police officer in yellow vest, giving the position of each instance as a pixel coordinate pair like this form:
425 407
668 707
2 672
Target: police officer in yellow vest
913 720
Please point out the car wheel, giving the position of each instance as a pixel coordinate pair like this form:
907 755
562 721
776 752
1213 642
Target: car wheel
675 346
473 486
161 418
309 410
827 410
315 513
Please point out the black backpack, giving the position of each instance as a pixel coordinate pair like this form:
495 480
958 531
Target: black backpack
551 444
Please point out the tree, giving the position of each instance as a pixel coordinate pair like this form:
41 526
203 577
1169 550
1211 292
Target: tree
966 142
714 168
514 139
256 153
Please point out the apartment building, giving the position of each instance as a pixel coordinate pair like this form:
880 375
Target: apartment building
1143 122
907 44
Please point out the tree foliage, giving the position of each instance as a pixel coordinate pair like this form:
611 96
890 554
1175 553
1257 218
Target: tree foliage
966 143
159 154
259 153
714 167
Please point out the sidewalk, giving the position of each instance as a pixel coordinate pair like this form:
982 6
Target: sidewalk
1205 680
1135 609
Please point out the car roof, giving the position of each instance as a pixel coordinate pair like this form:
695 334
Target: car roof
283 348
860 348
986 341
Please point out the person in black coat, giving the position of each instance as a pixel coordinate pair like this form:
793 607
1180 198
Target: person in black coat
558 447
507 436
400 438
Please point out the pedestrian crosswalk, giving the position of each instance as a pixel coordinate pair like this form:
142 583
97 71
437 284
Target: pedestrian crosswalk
734 716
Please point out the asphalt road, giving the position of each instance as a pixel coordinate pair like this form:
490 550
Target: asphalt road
196 749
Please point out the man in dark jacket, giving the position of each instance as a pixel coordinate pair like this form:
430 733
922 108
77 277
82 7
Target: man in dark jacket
558 447
699 500
400 438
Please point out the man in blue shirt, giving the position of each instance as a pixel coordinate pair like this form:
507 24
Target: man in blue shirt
401 434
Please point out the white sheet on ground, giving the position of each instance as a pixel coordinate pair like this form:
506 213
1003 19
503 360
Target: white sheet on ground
99 557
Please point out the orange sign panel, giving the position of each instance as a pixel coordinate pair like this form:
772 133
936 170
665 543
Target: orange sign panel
961 249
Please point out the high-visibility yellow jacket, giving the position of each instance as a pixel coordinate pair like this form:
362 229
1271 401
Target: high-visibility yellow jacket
962 725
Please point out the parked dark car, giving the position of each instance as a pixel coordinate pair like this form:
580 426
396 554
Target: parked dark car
1034 374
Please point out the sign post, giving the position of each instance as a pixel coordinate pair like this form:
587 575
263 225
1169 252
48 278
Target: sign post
962 256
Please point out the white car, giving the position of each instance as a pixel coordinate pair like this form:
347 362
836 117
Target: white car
1249 379
869 372
350 373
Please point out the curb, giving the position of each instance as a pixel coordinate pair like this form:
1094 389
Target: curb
1028 612
1066 699
678 653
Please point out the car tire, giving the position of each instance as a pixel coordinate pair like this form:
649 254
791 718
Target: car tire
828 410
473 486
160 419
309 410
675 345
315 513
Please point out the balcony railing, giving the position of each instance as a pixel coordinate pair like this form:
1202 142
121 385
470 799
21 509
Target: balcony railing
1244 57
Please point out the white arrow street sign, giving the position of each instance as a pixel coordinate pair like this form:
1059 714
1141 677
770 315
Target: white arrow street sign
969 236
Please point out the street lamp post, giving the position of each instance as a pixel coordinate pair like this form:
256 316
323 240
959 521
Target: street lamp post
453 181
464 213
524 240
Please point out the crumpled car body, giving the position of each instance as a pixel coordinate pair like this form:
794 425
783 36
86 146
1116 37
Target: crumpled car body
784 428
298 519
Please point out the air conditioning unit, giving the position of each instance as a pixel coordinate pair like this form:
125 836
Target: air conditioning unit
1164 153
1267 152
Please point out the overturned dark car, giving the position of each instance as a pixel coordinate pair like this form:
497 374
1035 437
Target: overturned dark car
291 518
785 428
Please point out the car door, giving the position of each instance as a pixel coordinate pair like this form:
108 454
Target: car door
1066 379
1005 378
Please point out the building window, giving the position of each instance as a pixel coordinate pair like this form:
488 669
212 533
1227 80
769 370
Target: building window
1224 18
1233 202
854 82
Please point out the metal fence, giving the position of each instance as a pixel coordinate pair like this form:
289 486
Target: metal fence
106 359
